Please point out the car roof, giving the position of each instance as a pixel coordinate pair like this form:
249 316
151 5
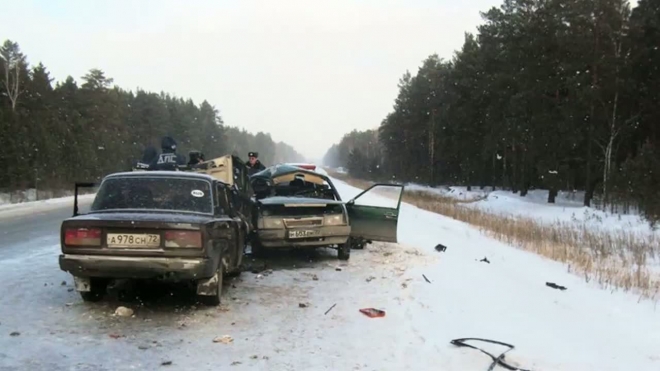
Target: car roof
161 174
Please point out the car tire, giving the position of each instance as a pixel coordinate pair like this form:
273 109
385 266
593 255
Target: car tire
214 300
97 291
235 273
344 251
358 244
257 249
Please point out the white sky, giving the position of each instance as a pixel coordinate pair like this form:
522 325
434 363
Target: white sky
305 71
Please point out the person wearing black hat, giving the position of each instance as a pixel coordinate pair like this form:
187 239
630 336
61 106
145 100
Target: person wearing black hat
254 165
169 159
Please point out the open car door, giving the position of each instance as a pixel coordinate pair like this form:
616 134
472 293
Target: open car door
374 213
76 194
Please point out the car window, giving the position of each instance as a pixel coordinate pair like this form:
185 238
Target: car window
154 193
298 187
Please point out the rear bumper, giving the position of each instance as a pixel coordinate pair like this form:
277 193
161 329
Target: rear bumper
137 267
327 236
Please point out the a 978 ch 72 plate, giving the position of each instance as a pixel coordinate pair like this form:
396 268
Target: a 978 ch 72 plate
133 240
303 233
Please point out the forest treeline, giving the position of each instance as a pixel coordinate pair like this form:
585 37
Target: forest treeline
54 134
552 94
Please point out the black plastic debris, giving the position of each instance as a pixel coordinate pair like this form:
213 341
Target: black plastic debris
555 286
499 360
427 280
440 248
485 260
329 309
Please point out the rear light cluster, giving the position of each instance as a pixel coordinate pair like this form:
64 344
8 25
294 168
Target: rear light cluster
82 237
183 239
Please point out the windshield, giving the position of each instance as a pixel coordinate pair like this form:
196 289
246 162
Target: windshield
138 193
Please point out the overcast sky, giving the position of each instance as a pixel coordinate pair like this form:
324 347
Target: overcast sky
305 71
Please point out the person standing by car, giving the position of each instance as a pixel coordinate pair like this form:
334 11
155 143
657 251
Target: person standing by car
254 165
169 159
149 158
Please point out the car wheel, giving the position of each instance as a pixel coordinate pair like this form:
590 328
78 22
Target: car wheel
214 299
257 249
358 244
344 251
97 290
235 273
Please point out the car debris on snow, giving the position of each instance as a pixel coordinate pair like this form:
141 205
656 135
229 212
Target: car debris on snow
372 312
440 248
555 286
370 278
329 309
123 312
15 333
166 363
225 339
427 280
303 305
236 363
485 260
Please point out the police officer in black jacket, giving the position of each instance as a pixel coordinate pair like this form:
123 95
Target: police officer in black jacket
149 158
169 159
254 165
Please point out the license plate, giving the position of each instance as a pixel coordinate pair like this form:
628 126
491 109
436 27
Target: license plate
303 233
133 240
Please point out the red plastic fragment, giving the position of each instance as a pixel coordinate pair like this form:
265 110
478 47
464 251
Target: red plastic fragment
373 312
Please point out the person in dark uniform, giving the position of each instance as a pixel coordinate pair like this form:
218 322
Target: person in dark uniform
195 159
148 161
169 159
254 165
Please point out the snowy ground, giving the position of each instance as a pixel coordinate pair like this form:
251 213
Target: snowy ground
582 329
568 208
43 205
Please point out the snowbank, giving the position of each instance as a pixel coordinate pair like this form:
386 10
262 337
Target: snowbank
43 204
508 300
568 207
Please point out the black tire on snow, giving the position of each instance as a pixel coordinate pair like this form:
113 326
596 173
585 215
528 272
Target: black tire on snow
257 249
344 251
98 288
214 300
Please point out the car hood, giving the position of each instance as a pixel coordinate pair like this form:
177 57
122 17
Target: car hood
301 201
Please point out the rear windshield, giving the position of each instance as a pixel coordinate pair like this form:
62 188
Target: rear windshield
156 193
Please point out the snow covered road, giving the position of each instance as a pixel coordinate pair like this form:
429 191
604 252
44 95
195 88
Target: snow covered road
583 328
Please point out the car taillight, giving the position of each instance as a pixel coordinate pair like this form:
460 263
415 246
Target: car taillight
82 237
183 239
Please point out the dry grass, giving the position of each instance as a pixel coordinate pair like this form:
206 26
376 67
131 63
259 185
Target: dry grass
612 260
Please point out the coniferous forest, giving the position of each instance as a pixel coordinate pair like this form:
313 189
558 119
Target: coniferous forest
53 134
548 94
